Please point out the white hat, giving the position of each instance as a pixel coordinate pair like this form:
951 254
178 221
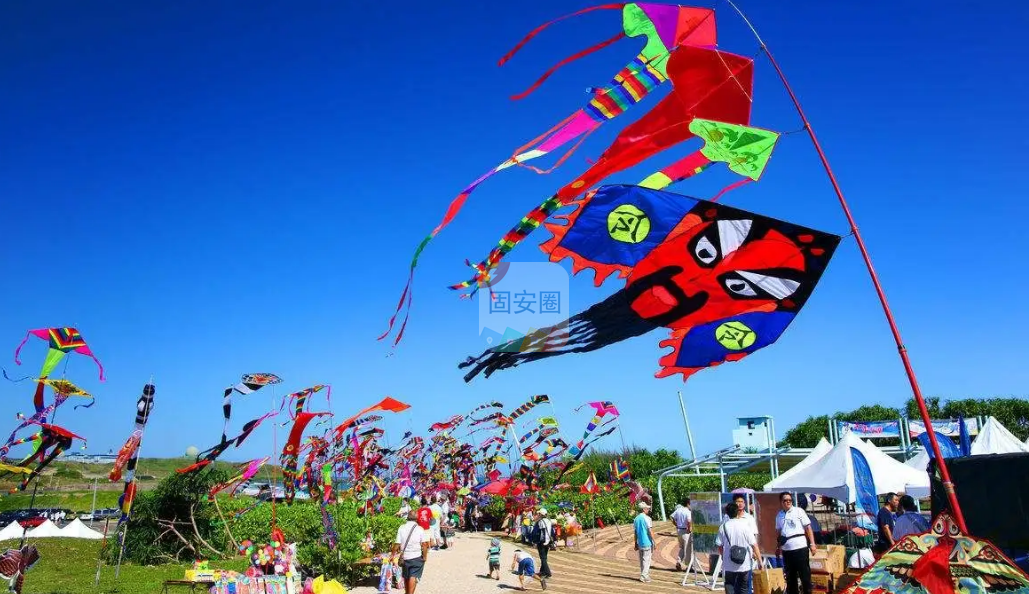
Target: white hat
543 511
644 505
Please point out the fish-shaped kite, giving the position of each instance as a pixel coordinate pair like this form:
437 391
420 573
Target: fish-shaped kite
723 281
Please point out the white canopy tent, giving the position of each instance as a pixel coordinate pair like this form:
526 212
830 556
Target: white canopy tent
816 454
995 438
833 473
45 530
921 459
12 531
79 530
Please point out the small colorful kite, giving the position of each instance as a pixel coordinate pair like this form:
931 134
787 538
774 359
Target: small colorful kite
61 341
250 383
144 406
724 281
245 472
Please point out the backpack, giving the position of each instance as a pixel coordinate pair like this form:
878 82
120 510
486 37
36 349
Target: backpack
537 536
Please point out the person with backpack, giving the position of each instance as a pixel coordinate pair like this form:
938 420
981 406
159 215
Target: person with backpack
740 555
542 535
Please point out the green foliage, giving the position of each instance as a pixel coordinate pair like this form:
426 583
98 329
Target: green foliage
301 522
178 502
1013 413
68 473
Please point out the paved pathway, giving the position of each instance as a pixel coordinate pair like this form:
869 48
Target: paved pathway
614 567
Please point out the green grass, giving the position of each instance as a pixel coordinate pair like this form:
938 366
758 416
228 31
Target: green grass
77 501
68 566
69 485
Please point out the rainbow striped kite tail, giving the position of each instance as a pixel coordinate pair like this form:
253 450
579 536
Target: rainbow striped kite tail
482 278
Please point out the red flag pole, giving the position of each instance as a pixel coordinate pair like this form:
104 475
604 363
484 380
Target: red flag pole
915 389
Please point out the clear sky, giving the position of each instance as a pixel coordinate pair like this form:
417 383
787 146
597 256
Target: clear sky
207 189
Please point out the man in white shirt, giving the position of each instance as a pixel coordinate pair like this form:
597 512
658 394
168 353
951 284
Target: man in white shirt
405 508
412 547
683 519
543 545
796 544
736 533
741 504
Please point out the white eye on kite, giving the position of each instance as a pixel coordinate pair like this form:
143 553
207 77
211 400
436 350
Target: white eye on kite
740 287
705 251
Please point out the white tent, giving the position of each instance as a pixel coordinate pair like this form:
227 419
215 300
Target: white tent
921 459
816 454
12 531
994 438
833 473
79 530
44 530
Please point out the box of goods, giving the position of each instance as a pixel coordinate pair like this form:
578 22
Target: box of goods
199 575
829 559
769 581
821 583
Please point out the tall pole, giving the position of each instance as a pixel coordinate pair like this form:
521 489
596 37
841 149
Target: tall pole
686 422
92 509
948 485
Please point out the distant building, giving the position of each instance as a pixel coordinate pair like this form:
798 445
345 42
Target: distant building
88 458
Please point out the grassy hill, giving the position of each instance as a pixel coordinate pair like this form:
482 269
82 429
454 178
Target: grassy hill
70 485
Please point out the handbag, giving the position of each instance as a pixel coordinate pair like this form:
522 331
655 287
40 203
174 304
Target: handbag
737 554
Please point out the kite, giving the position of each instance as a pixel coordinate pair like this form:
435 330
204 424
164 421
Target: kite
245 473
387 404
209 455
144 406
942 560
602 409
708 84
521 410
250 383
53 438
300 399
63 389
290 452
744 149
668 30
724 281
450 423
61 341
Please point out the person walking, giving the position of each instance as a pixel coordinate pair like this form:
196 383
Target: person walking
683 519
739 551
546 534
643 527
796 544
412 548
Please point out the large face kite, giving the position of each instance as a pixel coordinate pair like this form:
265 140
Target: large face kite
724 281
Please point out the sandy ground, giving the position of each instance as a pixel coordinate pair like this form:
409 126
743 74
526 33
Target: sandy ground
462 569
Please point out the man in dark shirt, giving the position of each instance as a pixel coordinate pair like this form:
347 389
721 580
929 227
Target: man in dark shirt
885 522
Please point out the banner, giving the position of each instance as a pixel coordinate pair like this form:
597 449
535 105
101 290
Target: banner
948 427
865 502
870 429
707 517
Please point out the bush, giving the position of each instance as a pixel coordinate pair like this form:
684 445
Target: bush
68 473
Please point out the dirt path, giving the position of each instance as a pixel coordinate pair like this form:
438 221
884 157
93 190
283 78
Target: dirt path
461 570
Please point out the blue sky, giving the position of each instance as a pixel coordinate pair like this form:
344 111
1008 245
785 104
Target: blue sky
208 189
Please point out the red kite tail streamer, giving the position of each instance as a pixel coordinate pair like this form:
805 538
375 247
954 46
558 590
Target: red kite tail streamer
540 29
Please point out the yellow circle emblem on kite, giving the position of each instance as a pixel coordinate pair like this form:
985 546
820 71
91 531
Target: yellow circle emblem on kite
735 336
628 224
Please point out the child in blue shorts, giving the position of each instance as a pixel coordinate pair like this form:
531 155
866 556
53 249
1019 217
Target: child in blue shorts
524 565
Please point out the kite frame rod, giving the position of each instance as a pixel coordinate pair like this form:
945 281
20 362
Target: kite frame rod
901 349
